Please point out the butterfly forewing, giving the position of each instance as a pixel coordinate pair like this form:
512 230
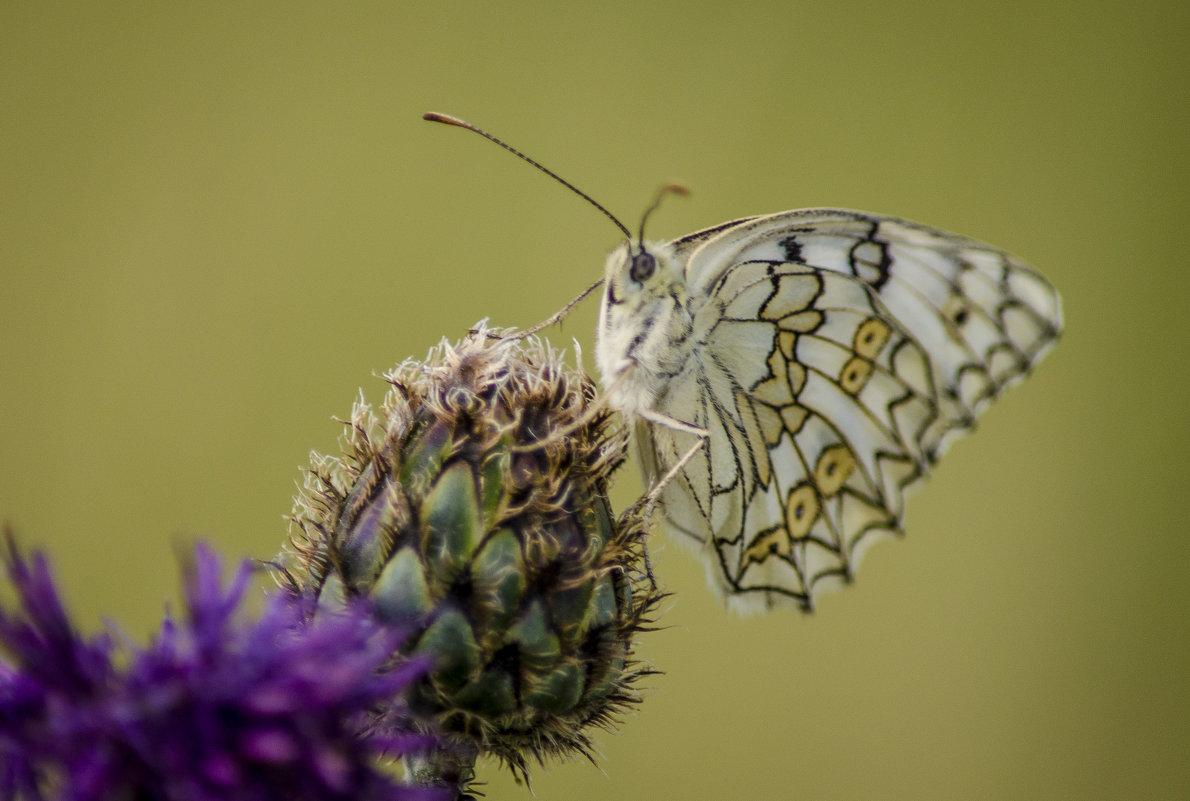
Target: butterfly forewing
832 356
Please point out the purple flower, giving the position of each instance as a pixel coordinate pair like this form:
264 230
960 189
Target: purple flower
220 706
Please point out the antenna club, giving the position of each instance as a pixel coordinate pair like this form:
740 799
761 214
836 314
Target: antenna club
434 116
667 189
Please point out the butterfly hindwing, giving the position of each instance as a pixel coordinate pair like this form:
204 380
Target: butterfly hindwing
835 354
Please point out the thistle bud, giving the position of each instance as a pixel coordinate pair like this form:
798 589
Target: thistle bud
473 508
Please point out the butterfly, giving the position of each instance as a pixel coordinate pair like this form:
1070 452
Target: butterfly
790 377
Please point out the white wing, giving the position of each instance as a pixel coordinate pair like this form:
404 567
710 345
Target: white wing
843 352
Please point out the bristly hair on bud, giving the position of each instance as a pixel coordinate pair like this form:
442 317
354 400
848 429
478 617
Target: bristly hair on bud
460 511
221 705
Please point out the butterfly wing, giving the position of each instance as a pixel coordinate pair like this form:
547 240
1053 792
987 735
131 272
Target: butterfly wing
840 353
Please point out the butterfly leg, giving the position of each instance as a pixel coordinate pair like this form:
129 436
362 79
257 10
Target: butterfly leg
557 316
700 434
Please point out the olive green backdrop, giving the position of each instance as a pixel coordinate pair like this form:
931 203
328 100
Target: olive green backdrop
217 223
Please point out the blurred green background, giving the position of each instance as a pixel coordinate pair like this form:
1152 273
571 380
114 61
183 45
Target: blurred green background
218 221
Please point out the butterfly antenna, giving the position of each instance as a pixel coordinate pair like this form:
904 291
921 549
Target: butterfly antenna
668 189
434 116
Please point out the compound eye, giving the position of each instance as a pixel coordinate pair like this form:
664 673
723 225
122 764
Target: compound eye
643 266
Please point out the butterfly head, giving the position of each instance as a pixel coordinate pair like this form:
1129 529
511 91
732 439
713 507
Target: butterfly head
643 315
638 262
644 320
637 272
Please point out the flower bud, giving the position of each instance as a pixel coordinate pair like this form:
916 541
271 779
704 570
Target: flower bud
473 508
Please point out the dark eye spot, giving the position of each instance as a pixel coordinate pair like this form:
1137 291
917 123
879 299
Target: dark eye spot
643 266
